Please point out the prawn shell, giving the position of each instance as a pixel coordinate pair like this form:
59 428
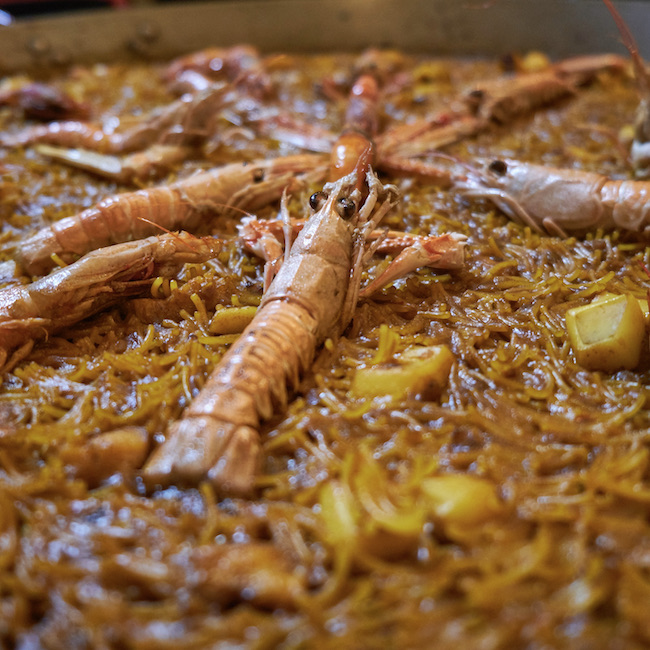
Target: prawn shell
317 273
570 198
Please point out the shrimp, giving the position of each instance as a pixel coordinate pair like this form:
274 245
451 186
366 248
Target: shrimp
99 279
186 205
241 65
41 101
503 99
562 200
312 297
397 149
640 151
184 122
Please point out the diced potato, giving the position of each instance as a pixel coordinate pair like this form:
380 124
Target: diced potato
121 450
432 71
419 370
534 62
461 499
339 512
608 333
643 303
231 320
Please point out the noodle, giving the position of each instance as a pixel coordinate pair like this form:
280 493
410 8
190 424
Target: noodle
345 543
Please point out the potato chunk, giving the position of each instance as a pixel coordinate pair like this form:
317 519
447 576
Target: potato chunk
231 320
607 334
419 370
461 499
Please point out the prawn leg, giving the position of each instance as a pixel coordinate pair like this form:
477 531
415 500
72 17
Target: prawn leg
443 252
144 165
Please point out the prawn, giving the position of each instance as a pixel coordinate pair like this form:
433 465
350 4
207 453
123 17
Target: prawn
99 279
562 200
312 297
183 123
41 101
241 65
186 204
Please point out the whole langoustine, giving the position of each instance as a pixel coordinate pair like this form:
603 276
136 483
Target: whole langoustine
180 123
44 102
99 279
186 205
312 297
562 201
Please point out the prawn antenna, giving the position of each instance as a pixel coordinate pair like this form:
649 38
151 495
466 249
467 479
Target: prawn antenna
631 45
176 235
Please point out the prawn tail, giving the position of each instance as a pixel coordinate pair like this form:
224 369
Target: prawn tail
217 437
231 452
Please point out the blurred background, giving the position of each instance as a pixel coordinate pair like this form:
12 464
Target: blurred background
26 8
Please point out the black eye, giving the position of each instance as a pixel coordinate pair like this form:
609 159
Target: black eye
317 200
477 94
346 208
258 175
499 167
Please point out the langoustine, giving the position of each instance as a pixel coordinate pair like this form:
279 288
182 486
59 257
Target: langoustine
186 205
561 200
98 280
311 298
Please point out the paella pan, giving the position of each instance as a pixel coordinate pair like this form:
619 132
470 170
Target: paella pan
325 336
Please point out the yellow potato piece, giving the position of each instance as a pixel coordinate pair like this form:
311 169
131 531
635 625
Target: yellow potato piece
419 371
607 334
231 320
461 499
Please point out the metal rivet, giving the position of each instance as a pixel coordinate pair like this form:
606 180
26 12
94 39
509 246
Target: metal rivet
147 32
60 58
39 45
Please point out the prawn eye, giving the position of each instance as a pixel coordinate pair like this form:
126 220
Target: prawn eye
317 200
499 167
345 207
258 175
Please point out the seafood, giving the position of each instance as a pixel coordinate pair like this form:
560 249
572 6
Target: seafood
509 508
45 102
186 204
99 279
398 148
241 65
562 200
503 99
311 298
183 124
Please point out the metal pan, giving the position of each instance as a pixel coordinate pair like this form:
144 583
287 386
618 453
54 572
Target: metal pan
471 27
